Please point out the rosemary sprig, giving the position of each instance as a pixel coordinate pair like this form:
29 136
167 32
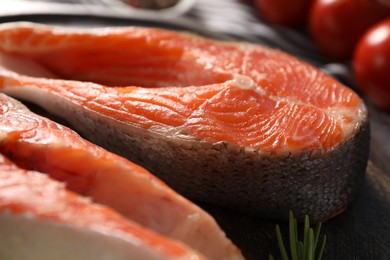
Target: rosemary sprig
301 250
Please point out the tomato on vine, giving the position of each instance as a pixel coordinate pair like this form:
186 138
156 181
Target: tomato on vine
371 64
284 12
336 25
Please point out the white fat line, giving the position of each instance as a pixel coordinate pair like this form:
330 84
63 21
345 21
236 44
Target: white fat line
246 83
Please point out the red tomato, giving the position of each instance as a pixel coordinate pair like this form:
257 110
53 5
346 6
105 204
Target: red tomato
336 25
371 64
284 12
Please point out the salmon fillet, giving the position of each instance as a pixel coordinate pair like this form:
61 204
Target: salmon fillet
40 219
234 124
36 143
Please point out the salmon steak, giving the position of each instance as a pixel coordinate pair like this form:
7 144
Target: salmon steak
123 194
40 219
229 123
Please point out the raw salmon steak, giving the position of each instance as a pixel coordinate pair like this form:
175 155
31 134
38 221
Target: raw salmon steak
36 143
233 124
40 219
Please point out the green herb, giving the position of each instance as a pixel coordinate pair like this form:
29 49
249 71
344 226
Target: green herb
301 250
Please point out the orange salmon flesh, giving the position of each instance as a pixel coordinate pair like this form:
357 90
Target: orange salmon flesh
185 86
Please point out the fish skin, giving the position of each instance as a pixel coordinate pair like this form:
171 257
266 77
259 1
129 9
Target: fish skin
175 141
35 142
41 219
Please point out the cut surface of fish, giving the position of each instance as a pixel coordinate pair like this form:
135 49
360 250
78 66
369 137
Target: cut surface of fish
37 143
40 219
234 124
